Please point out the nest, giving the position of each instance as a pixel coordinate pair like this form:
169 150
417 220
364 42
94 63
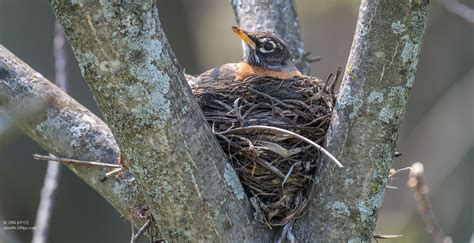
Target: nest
271 130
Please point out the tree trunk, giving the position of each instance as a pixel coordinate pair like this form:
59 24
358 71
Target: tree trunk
364 128
191 189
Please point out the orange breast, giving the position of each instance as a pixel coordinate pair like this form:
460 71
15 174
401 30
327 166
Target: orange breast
245 70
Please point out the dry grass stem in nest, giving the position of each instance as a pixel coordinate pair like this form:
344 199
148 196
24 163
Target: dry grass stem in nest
272 131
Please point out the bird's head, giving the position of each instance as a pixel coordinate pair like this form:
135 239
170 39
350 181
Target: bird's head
265 50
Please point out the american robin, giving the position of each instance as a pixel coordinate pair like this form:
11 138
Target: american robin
264 54
252 111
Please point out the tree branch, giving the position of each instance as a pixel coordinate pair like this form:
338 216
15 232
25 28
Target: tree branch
53 170
416 182
66 129
364 128
277 17
191 189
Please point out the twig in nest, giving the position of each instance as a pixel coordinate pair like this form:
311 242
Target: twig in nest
75 161
276 129
288 175
327 80
275 167
272 168
333 83
270 97
417 184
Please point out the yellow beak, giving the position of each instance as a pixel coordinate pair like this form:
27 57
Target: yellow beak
244 36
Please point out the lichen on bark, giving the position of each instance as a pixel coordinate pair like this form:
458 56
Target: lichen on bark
364 128
67 129
139 86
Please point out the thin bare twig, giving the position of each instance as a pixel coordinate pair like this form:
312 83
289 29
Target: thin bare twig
393 172
51 177
276 129
132 238
141 231
75 161
385 237
45 208
417 184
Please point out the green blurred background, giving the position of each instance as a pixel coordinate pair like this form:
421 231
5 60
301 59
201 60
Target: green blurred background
438 128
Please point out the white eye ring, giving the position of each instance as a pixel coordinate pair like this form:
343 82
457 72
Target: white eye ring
263 50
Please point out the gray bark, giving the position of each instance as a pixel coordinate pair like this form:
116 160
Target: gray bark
192 191
278 17
66 129
364 129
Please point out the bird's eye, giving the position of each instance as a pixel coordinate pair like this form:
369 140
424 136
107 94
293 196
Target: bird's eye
268 46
